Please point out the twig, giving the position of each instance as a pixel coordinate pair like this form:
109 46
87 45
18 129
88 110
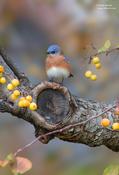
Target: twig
94 48
61 130
12 66
104 52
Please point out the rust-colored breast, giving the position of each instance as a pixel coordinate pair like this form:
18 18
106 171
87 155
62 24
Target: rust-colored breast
57 61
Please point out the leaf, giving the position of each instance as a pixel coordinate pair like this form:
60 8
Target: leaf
21 165
101 50
10 157
112 170
107 44
3 163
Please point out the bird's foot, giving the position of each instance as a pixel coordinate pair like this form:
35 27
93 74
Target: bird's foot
52 85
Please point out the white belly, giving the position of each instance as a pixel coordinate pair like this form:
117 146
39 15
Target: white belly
57 73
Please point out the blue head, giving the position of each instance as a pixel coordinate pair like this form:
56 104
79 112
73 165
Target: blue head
53 49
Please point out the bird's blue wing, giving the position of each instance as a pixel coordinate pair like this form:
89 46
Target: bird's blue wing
67 59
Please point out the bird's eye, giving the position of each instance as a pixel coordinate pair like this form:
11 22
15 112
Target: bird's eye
53 52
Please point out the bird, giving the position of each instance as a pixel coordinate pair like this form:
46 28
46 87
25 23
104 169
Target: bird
57 66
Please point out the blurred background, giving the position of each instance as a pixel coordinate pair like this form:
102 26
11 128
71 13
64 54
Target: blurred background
80 27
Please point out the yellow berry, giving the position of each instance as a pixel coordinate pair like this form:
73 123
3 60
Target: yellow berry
88 74
16 93
115 126
26 103
15 82
96 60
21 104
13 97
10 87
2 80
22 98
105 122
1 69
33 106
98 65
29 98
93 77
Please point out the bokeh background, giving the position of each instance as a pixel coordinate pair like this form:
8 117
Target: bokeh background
80 27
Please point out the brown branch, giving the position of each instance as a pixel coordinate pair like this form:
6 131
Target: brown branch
59 113
20 75
61 130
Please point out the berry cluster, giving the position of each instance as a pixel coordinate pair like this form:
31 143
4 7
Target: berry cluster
105 122
96 62
89 74
15 94
26 102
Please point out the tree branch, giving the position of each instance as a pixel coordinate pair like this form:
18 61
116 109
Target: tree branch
107 52
61 130
20 75
59 113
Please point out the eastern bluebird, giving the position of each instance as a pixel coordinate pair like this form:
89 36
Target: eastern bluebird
57 65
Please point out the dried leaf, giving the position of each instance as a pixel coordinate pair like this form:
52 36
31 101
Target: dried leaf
9 159
3 163
112 170
21 165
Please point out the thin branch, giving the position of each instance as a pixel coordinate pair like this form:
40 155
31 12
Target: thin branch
20 75
104 52
62 130
93 47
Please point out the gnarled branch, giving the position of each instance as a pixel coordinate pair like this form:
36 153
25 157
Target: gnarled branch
59 112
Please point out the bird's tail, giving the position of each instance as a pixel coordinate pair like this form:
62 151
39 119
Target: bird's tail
71 75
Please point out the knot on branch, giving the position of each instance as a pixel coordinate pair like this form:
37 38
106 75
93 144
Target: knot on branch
55 104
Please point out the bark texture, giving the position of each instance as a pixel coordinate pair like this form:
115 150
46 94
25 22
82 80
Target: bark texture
58 108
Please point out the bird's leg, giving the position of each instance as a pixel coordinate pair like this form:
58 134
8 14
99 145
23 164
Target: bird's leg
51 83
